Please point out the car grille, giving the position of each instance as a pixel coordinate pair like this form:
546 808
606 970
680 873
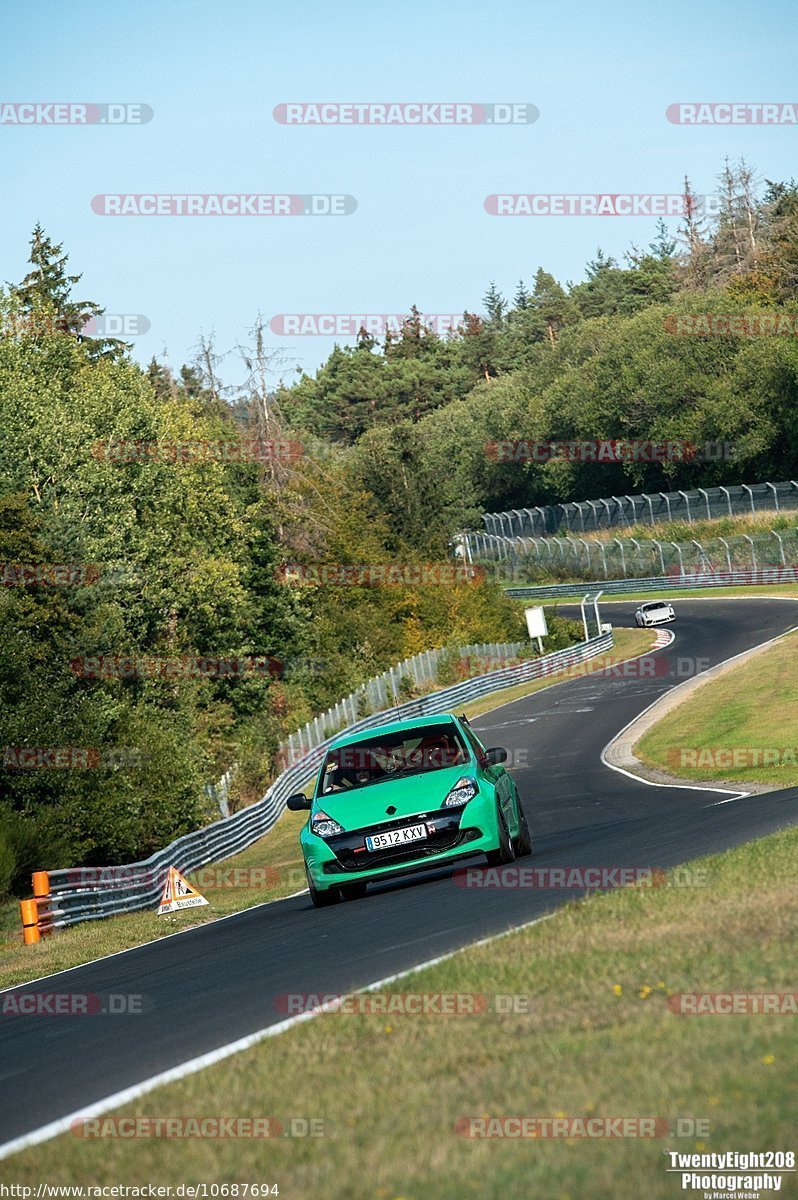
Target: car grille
350 855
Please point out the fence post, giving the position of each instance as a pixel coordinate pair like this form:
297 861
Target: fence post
705 494
750 541
772 486
746 488
781 547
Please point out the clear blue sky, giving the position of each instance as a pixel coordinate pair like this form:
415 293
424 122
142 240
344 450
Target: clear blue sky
602 76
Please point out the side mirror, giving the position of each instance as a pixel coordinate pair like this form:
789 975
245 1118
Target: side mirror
496 755
298 802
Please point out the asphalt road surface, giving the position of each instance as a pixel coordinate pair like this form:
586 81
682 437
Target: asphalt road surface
212 985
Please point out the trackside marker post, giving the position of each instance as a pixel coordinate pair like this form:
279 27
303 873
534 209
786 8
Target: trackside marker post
178 893
30 921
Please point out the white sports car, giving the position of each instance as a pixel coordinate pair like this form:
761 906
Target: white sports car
655 612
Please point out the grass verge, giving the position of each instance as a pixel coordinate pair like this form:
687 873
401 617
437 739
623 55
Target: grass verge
267 870
598 1039
736 712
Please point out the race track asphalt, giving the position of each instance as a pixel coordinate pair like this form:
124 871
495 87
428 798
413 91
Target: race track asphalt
218 982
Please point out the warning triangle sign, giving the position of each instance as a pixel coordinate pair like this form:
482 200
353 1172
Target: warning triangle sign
178 893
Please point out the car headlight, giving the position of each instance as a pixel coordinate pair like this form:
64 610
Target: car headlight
464 790
324 826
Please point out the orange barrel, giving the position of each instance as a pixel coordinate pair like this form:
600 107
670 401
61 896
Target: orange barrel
29 911
41 884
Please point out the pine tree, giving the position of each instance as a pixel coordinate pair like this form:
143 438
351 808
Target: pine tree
44 299
495 304
521 298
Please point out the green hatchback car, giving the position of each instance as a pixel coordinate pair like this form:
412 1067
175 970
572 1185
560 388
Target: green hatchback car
406 797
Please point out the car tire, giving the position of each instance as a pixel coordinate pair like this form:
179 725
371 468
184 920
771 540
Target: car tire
523 843
505 852
322 898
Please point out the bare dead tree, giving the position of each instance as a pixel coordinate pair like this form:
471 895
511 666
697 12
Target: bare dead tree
209 361
693 234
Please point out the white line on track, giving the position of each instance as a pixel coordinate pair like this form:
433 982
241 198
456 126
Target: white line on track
126 1095
694 787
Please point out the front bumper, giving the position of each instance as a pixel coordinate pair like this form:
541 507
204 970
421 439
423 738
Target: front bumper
452 834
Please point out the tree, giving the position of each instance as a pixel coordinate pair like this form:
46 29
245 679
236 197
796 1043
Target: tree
495 304
44 299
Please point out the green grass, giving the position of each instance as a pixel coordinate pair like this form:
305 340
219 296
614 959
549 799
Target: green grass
269 869
684 531
753 707
597 1040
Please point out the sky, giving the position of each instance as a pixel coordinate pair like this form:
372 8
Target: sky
601 76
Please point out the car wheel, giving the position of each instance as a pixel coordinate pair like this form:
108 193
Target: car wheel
504 853
353 891
523 843
322 898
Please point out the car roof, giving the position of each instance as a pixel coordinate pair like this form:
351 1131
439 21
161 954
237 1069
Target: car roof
655 604
347 739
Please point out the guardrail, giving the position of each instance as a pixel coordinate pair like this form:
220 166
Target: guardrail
69 896
658 583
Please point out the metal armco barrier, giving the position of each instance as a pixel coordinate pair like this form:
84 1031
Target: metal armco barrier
762 575
68 896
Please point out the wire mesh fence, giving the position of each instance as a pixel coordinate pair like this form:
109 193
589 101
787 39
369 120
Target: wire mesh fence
646 508
630 558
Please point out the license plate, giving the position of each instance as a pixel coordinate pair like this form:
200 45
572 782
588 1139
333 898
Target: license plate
396 837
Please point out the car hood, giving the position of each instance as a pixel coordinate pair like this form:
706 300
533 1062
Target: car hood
409 794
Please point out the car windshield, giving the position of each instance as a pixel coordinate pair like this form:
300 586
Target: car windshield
389 756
